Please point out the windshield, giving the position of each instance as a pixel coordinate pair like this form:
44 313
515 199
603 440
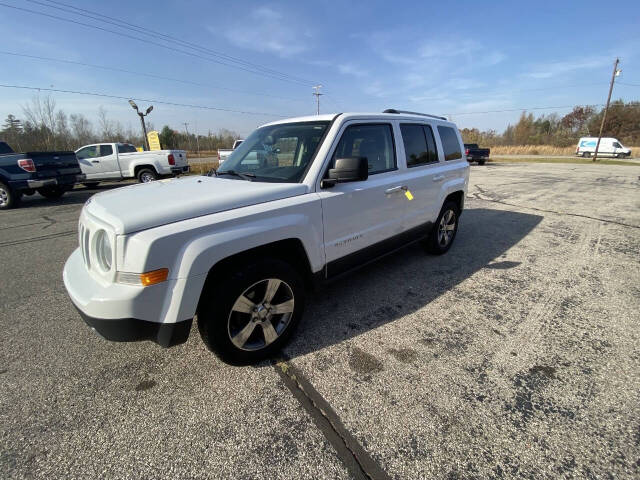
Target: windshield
277 153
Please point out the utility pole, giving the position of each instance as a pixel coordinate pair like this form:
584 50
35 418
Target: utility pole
187 132
144 127
615 73
317 95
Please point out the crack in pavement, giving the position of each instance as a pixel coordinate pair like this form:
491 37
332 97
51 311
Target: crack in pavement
351 453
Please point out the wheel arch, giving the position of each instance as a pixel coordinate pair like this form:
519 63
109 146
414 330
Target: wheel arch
137 168
457 197
290 250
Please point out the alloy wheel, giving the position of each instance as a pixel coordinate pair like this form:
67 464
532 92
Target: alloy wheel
4 197
261 314
446 228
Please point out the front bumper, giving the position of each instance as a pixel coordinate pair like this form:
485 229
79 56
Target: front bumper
123 313
135 330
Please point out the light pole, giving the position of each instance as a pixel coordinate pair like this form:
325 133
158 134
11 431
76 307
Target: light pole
142 115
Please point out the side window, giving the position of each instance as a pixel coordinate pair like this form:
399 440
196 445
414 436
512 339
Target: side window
372 141
87 152
106 150
450 143
617 145
419 145
124 148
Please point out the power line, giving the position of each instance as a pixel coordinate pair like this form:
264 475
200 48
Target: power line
151 43
629 84
534 108
152 33
119 97
150 75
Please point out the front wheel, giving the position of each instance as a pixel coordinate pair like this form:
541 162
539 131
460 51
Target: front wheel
252 314
481 162
444 231
8 197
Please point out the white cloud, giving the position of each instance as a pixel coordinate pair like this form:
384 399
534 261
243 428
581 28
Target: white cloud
269 30
548 70
351 69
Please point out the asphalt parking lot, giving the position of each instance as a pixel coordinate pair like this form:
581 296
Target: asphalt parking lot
516 355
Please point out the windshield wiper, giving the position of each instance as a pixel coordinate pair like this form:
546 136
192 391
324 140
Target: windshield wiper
244 176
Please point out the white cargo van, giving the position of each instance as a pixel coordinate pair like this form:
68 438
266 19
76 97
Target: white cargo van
609 147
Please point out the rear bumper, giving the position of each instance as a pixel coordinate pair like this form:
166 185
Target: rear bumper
180 170
64 180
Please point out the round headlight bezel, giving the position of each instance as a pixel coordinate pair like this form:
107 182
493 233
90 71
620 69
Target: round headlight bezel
104 250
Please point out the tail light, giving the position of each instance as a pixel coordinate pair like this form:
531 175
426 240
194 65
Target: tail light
27 165
466 152
172 160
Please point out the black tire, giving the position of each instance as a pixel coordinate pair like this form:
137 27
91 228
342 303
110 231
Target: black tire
219 323
52 193
8 198
586 154
91 184
481 162
619 155
146 175
434 244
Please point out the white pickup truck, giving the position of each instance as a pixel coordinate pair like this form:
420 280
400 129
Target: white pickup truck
223 153
117 161
301 201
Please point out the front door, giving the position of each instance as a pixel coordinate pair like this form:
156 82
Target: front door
361 219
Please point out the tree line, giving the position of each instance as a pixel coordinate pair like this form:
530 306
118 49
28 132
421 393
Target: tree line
44 126
623 123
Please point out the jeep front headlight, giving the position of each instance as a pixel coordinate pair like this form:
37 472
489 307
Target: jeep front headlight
104 251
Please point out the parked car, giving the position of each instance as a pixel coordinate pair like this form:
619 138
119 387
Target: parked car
476 154
609 147
239 248
118 161
223 153
51 174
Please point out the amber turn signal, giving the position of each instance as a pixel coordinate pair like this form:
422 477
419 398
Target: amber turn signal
153 277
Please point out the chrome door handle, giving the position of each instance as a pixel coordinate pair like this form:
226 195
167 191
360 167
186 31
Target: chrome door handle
437 178
391 190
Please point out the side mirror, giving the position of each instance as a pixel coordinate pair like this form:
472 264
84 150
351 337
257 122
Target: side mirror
352 169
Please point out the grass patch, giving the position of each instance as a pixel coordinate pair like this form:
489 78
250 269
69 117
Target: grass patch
577 160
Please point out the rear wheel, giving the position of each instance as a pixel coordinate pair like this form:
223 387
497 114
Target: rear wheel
147 175
586 154
444 232
481 162
251 315
8 197
91 184
51 193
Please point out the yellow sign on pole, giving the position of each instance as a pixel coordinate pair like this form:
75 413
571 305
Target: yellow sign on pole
154 140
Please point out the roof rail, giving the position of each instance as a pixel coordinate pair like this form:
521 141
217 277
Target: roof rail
393 110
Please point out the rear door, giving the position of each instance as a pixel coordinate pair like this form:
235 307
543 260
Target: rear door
426 174
363 219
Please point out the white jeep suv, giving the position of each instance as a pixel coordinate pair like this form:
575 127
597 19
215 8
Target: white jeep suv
299 202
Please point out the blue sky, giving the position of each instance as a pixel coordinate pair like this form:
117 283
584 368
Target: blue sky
439 57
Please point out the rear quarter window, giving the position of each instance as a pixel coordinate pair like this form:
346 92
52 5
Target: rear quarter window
450 143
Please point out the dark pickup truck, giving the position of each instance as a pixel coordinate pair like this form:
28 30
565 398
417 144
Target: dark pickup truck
48 173
476 154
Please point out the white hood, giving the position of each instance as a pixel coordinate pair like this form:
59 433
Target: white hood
146 205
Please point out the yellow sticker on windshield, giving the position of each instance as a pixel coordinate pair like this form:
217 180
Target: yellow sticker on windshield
408 194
